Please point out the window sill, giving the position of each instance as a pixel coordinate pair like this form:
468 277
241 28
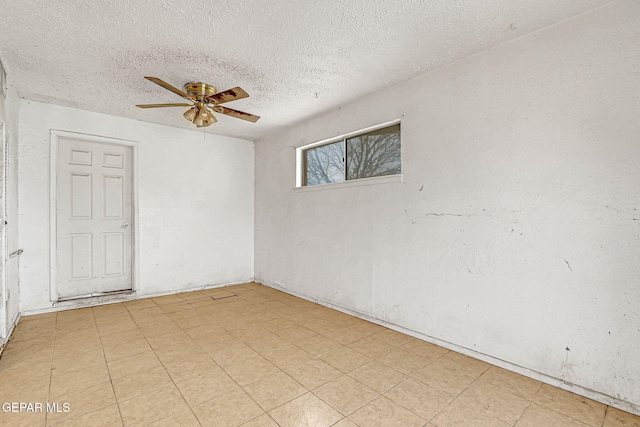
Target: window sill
391 179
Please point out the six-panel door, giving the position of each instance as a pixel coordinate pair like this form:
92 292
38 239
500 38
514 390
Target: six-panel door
94 218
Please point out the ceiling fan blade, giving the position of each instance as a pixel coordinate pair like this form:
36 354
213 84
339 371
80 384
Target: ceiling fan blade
169 87
163 105
226 96
235 113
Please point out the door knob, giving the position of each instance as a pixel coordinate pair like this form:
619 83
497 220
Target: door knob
126 225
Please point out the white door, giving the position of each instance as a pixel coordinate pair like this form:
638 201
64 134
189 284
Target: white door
94 218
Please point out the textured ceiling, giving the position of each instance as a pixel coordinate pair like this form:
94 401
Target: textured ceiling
295 58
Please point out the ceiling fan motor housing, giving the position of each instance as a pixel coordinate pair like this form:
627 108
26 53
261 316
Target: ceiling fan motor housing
200 90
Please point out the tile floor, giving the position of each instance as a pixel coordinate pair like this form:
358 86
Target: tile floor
253 356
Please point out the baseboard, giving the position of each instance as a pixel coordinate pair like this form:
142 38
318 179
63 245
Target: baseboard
562 384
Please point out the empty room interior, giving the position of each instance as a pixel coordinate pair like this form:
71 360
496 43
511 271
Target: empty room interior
320 213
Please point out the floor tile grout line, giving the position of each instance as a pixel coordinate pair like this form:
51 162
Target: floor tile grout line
528 404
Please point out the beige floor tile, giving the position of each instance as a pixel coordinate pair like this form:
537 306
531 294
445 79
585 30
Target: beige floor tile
153 406
180 352
125 336
85 338
108 309
214 343
117 327
274 390
181 419
570 404
168 339
404 361
13 358
518 385
190 367
536 416
188 319
16 376
460 414
160 356
296 334
377 376
278 324
204 331
371 347
139 304
66 383
73 361
287 356
463 364
125 349
207 386
24 419
28 392
345 422
175 307
383 412
77 315
159 321
21 334
618 418
111 318
38 320
263 420
107 417
322 326
345 394
167 299
318 345
251 370
393 338
313 373
267 343
345 335
496 402
344 358
136 363
229 410
84 401
306 410
248 332
425 349
419 398
146 312
235 353
75 327
140 383
441 377
151 331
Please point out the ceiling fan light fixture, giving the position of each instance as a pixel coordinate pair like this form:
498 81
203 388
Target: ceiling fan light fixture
198 122
191 114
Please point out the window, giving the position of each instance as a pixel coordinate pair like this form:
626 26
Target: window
360 155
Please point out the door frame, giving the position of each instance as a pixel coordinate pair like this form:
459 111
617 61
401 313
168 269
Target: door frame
53 206
4 250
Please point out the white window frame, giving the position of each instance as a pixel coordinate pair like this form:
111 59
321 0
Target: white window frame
300 165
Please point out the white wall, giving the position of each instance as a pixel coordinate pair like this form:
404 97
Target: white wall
195 202
516 233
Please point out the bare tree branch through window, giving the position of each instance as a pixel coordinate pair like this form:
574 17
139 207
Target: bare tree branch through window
375 153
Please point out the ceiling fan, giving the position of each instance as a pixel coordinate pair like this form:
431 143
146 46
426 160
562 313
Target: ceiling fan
204 100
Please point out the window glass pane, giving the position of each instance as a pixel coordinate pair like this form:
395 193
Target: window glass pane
325 164
375 153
